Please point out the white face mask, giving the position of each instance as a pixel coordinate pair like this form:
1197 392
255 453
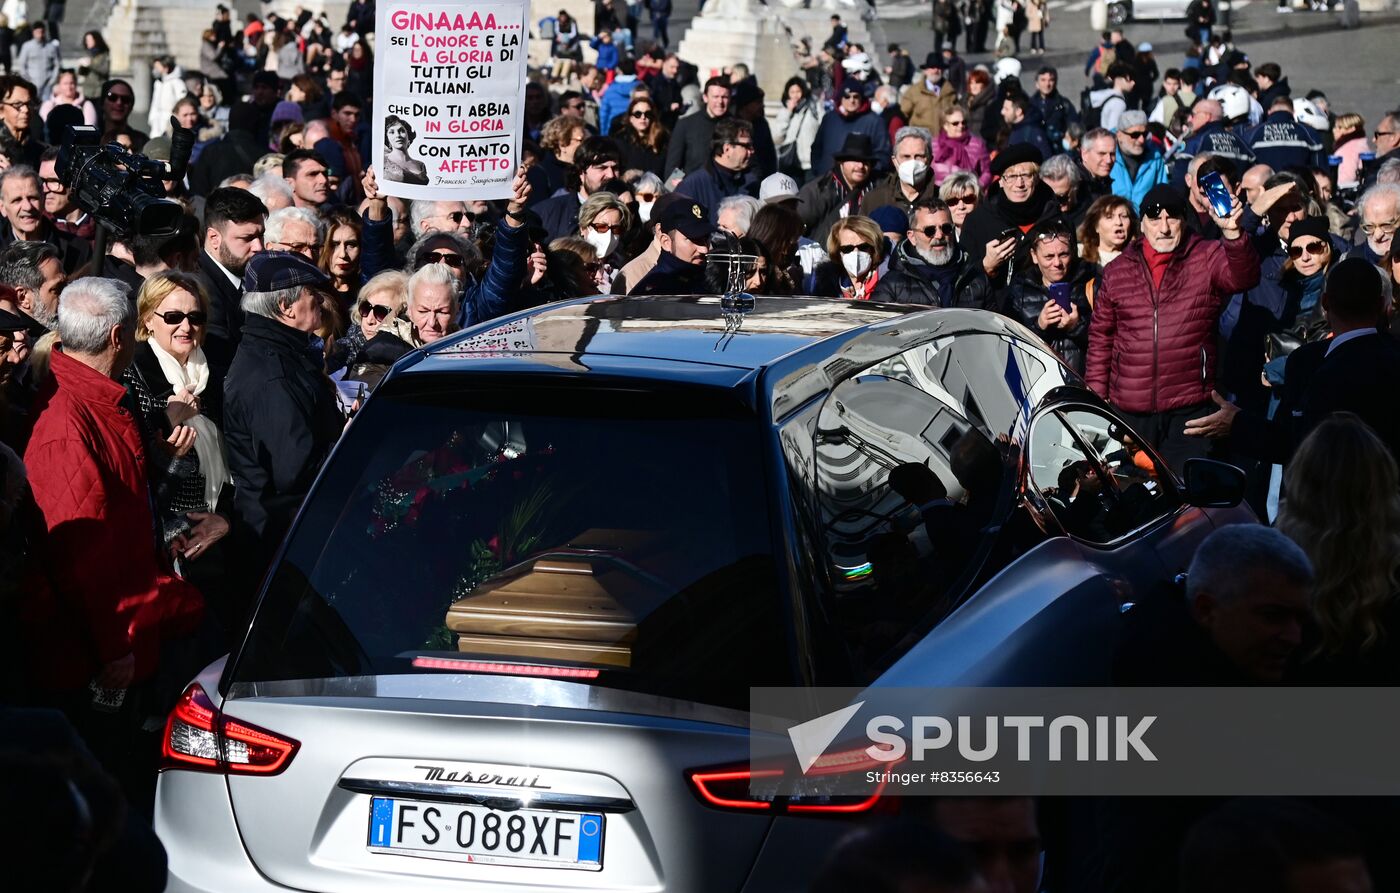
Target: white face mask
857 262
644 210
877 107
603 243
912 171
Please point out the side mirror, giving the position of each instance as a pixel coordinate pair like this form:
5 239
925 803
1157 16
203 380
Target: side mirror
1213 485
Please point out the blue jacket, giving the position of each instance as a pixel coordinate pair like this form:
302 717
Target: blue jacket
1056 114
480 301
1283 144
607 54
709 185
615 99
831 135
1216 140
1151 172
559 214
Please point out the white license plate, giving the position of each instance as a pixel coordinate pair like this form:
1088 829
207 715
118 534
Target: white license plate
539 837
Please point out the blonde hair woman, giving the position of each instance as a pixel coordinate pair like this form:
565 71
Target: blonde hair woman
858 254
1343 509
602 222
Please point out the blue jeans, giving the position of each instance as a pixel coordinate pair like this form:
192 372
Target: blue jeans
658 29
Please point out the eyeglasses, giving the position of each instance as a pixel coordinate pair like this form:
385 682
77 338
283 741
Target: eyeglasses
20 106
52 184
1314 248
1371 229
747 147
294 247
1018 178
594 268
946 229
1155 211
606 227
197 318
1380 133
123 98
954 123
1134 134
1051 235
443 257
847 249
969 200
380 312
639 115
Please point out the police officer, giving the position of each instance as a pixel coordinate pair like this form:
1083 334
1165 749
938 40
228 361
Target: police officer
1284 144
684 234
1208 135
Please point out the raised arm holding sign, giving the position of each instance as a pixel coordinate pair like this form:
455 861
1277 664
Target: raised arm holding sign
449 88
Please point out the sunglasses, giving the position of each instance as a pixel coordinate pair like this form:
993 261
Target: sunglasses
639 115
1155 211
123 98
443 257
1314 248
1052 234
606 227
1134 134
380 312
175 317
954 123
646 196
963 200
458 216
946 229
847 249
593 268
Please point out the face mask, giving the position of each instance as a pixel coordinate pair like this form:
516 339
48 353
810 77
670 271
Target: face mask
857 262
644 210
1064 143
603 243
912 171
877 107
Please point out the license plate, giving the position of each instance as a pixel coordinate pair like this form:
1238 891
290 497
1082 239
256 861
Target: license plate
538 837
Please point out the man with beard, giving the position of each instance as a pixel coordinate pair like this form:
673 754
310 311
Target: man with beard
233 233
35 271
927 267
684 230
1013 205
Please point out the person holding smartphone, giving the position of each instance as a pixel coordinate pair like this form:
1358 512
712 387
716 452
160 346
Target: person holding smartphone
1049 295
1017 201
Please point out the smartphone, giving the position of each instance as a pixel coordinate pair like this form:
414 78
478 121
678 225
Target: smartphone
1009 233
1059 293
1218 194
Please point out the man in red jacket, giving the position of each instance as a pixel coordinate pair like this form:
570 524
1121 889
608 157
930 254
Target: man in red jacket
87 467
1152 338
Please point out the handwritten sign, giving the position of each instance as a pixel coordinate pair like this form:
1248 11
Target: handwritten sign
449 94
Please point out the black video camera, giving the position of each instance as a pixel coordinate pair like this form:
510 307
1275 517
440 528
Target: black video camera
122 190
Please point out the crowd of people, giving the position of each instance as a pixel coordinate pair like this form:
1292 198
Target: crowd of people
1213 254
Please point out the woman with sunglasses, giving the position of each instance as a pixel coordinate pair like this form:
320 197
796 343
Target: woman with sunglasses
858 259
602 221
961 192
172 383
575 268
641 136
957 148
1311 255
1050 294
379 331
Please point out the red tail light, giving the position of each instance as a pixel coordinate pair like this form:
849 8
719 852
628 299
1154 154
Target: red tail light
815 792
197 736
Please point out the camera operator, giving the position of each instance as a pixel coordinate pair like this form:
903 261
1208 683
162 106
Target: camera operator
22 203
19 112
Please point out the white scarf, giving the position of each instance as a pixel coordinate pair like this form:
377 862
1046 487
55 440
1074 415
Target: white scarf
209 444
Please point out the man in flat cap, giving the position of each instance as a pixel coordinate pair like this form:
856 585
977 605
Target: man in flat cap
1016 202
280 413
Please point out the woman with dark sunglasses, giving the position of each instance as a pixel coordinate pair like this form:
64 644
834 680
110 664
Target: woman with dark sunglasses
641 136
379 330
180 395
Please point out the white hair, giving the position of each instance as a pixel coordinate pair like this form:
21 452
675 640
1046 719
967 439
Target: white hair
271 303
1226 562
270 184
1381 191
420 209
433 274
1389 172
242 181
914 133
745 205
278 220
88 309
1061 167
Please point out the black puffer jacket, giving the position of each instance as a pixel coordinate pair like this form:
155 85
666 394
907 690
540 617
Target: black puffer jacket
1025 297
913 280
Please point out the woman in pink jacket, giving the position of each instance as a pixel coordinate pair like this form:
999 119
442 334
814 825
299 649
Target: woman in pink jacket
958 149
1349 135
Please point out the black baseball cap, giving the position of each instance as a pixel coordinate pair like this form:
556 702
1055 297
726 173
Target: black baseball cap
688 216
276 270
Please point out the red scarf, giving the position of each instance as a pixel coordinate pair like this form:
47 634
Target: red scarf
1156 262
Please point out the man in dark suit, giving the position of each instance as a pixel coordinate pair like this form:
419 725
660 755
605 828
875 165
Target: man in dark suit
233 233
1354 371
